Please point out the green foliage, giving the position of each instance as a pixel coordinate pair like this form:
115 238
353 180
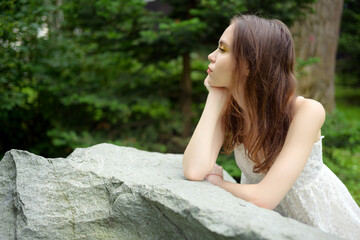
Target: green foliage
20 22
340 131
110 70
301 64
341 144
227 161
189 26
106 71
345 164
286 11
348 95
348 58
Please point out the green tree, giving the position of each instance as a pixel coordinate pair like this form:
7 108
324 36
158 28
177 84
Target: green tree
316 37
286 11
20 43
106 71
190 25
349 44
193 24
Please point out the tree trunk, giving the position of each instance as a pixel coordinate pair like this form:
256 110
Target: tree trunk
186 90
186 84
317 36
56 17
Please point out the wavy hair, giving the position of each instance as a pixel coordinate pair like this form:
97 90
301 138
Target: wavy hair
262 101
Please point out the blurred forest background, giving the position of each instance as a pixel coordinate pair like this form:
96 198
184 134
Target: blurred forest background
74 73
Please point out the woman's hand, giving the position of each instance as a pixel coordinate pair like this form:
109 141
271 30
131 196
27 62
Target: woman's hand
203 149
219 94
216 175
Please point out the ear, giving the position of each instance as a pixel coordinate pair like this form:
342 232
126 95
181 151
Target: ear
245 70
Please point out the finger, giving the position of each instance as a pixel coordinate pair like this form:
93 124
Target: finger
206 83
220 170
219 167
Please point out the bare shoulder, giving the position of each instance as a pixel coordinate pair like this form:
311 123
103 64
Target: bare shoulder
308 119
309 109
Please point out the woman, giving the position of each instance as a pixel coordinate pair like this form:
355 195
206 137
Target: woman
252 109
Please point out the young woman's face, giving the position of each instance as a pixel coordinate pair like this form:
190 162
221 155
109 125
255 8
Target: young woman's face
220 70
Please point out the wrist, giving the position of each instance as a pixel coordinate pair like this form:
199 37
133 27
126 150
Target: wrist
219 181
215 179
216 100
215 174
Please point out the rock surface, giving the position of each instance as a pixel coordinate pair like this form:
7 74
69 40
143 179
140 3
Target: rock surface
112 192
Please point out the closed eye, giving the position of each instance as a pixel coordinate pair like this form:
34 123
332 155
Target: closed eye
221 49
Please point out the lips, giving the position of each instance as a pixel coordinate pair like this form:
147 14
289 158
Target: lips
209 70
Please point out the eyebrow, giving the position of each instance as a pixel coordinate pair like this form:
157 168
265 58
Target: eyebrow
221 42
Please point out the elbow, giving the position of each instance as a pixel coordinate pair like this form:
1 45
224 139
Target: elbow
193 175
262 197
194 172
264 203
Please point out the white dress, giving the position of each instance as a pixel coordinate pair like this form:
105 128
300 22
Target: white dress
318 198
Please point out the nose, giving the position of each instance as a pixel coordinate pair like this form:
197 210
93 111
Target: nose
211 57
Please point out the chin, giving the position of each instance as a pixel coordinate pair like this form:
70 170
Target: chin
213 83
216 85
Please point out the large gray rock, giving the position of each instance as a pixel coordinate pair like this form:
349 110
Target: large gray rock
112 192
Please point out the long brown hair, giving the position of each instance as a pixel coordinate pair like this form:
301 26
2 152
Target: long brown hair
261 106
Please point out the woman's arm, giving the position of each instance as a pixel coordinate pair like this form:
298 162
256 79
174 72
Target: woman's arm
303 132
201 153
